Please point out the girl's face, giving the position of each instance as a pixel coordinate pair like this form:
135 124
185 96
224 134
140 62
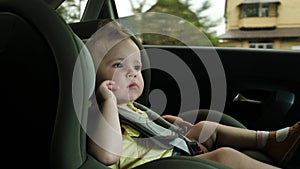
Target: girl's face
123 65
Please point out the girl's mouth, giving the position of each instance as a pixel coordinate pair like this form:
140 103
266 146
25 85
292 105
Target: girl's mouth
133 85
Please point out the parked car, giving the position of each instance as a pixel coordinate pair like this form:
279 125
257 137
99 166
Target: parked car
42 120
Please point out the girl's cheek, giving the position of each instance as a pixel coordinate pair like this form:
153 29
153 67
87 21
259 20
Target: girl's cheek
115 87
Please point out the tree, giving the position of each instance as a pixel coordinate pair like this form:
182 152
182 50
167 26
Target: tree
70 10
182 10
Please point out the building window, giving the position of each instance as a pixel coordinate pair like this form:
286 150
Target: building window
250 10
258 10
261 45
296 48
264 10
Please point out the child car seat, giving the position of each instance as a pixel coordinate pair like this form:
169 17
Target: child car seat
39 61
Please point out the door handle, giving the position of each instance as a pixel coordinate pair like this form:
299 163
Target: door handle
240 98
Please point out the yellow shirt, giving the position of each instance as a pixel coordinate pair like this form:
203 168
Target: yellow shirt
133 153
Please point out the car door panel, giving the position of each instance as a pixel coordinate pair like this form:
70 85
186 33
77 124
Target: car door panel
267 81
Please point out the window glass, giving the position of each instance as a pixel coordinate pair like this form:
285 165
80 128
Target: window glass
255 10
226 23
265 10
261 45
199 13
129 7
72 10
269 46
250 10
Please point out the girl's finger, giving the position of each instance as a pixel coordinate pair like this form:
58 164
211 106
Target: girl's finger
115 87
112 85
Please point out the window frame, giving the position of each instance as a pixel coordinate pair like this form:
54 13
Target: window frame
260 10
260 45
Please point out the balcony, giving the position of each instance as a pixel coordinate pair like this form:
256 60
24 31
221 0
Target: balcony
258 22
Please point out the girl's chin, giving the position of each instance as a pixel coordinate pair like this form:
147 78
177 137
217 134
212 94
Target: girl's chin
125 101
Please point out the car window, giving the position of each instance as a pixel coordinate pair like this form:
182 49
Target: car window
72 10
260 24
181 22
129 7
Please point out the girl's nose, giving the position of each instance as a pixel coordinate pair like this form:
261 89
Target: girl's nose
131 73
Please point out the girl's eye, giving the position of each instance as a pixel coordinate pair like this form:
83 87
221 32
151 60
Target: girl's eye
117 65
137 67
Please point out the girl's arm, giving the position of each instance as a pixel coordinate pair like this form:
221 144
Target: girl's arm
171 118
105 142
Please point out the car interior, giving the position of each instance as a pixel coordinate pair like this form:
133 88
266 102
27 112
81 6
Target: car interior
46 84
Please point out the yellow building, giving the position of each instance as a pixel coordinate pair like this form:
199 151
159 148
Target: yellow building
262 24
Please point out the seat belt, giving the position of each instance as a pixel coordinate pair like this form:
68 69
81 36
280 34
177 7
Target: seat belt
161 132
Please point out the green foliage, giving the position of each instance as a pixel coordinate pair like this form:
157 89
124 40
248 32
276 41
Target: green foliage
181 9
70 10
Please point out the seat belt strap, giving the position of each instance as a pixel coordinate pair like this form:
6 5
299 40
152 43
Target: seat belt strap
163 137
181 144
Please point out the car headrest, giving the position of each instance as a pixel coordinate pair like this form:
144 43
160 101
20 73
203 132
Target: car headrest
38 54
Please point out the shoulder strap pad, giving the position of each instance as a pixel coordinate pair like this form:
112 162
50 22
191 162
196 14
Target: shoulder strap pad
157 118
160 135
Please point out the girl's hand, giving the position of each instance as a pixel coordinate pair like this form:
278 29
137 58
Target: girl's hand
105 91
177 121
184 125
